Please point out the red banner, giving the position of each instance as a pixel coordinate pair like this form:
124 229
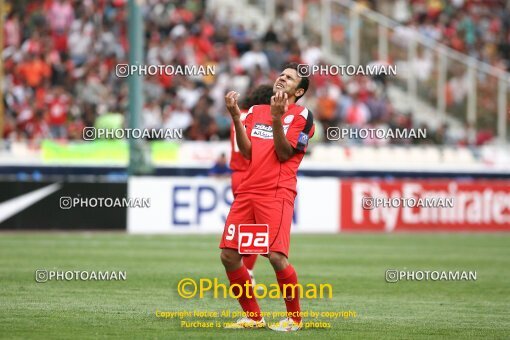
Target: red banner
424 205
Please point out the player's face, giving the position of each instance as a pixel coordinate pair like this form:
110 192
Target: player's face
288 82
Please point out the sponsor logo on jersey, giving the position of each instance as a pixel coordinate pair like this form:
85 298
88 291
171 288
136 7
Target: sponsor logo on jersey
263 131
288 119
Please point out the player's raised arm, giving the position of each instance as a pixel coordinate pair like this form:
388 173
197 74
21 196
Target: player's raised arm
279 104
243 142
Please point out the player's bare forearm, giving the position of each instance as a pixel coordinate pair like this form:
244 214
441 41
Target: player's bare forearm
284 150
243 142
279 105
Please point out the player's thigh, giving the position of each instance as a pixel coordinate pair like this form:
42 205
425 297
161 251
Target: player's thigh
277 214
241 212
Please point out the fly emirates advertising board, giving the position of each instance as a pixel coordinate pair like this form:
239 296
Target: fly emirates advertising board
328 205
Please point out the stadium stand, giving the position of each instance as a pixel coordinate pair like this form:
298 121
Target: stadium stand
60 70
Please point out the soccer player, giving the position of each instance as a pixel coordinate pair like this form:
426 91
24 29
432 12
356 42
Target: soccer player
238 164
274 137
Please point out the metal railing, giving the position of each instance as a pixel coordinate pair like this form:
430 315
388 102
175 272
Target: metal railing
454 84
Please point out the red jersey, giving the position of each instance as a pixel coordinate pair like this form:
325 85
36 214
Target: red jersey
237 161
266 175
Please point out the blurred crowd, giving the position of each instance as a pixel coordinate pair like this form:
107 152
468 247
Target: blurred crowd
479 28
60 57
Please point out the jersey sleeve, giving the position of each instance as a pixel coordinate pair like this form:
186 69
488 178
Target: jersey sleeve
301 130
248 122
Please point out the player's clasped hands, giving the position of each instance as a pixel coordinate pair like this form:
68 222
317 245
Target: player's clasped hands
231 103
279 104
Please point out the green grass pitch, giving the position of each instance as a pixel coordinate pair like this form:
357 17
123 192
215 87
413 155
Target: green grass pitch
354 264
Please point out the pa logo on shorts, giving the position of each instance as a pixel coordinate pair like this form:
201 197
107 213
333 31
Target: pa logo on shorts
253 239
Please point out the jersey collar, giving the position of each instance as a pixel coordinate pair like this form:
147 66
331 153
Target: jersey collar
291 106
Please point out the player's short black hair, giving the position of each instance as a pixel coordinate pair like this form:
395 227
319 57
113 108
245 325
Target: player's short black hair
304 83
260 95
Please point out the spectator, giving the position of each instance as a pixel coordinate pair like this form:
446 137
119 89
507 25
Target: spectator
80 42
37 128
204 126
60 15
12 30
255 58
151 115
220 167
58 106
33 71
176 116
